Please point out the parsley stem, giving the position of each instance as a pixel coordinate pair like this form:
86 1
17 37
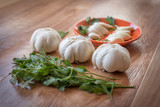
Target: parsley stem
84 77
124 86
103 76
69 75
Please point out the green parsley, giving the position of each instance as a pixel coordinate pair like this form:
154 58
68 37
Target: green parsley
95 20
88 20
62 34
104 40
110 20
83 29
97 39
53 71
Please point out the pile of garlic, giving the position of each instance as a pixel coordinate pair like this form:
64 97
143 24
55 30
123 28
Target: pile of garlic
121 34
76 49
46 38
111 58
98 30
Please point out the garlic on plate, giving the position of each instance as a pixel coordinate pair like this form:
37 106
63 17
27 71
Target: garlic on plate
111 57
98 29
114 39
46 38
76 49
93 35
121 32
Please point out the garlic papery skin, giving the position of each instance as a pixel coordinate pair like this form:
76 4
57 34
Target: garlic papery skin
76 49
93 36
46 38
111 58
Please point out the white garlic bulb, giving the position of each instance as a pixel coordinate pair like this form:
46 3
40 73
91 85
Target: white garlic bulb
76 49
111 57
98 28
46 38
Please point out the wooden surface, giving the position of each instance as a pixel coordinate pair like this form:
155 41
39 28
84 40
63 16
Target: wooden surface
18 20
149 88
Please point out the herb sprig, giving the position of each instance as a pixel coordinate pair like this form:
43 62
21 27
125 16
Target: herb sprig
62 34
93 20
50 70
110 20
83 29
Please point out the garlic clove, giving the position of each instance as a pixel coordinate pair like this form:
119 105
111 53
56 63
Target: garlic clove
95 53
92 29
114 39
124 35
120 31
63 46
84 50
126 28
100 58
97 28
101 29
105 25
113 61
93 36
69 54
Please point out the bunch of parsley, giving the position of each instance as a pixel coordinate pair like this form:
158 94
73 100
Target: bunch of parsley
57 72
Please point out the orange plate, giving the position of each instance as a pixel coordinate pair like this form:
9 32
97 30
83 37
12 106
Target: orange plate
135 34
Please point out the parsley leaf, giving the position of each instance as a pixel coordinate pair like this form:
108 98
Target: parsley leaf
62 34
83 29
95 20
88 20
110 20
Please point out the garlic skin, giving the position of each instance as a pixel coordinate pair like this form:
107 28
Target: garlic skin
76 49
111 57
46 38
99 28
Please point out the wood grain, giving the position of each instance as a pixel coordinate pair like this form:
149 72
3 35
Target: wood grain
1 78
19 18
148 93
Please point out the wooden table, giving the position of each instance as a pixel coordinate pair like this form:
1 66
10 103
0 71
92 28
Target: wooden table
18 20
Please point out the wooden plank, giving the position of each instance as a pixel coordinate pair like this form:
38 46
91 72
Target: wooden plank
1 78
6 2
148 94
